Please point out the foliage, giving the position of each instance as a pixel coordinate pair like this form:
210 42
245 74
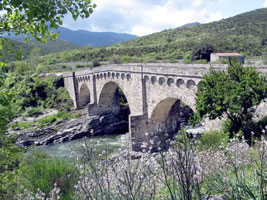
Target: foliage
9 153
235 171
212 140
39 18
45 121
19 125
35 92
202 51
40 171
115 59
234 93
32 112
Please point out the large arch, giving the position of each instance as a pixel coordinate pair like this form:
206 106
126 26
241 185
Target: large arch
165 121
109 98
84 95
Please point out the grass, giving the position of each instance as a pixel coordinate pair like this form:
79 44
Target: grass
46 121
41 172
20 125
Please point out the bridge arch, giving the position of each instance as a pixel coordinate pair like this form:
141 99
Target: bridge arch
84 95
190 84
109 97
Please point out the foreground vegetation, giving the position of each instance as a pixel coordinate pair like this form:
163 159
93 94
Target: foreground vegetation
188 170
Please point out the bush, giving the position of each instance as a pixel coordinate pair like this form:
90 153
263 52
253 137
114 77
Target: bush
115 60
212 140
41 172
96 63
32 112
79 66
46 121
202 51
19 125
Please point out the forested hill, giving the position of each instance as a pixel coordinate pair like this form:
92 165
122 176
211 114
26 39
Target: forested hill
22 49
246 32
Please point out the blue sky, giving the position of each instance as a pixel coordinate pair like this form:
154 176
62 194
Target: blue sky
142 17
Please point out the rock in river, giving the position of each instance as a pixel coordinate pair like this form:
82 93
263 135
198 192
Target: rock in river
75 128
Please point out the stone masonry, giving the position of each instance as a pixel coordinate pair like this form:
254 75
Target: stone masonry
157 95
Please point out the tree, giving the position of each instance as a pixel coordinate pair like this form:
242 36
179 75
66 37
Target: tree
202 51
37 19
234 93
40 17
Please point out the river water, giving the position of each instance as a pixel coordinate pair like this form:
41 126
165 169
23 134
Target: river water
110 143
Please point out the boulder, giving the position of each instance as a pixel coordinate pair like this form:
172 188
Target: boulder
74 129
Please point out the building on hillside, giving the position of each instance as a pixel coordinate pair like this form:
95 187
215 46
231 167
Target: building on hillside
226 56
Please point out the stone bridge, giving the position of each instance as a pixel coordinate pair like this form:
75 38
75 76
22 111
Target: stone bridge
160 96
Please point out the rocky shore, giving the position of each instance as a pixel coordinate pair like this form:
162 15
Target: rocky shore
76 128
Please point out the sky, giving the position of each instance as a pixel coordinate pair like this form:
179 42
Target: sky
143 17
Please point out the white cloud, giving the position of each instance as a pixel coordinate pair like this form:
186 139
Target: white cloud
265 4
142 17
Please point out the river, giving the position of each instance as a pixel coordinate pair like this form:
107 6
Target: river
110 143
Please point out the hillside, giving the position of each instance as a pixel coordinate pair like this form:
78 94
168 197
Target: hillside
86 38
94 39
245 33
23 48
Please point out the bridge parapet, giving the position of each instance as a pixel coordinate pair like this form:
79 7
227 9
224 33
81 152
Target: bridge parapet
158 94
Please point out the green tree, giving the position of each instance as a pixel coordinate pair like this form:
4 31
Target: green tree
234 93
36 19
202 51
40 17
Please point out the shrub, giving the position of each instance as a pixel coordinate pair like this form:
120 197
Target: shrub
33 112
41 172
18 125
115 60
46 121
96 63
201 61
202 51
79 66
213 139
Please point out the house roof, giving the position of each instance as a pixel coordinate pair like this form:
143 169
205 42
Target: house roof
228 54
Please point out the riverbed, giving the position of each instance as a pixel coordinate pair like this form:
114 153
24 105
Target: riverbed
110 143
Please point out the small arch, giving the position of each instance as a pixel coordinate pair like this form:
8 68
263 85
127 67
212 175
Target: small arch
161 80
109 74
117 75
146 78
113 75
153 79
128 77
180 82
101 76
97 76
105 75
84 95
88 77
190 84
122 76
170 81
94 77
